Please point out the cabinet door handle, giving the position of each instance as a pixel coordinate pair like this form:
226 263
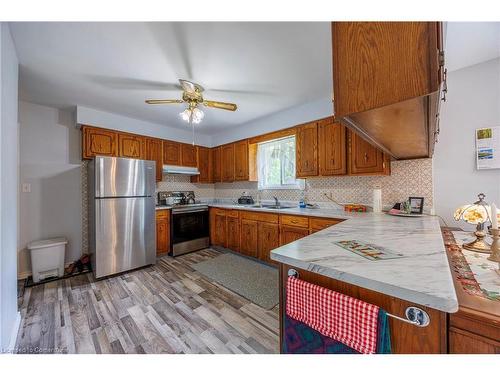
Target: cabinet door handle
366 157
445 85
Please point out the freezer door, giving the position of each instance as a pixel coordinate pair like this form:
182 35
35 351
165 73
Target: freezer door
122 177
125 234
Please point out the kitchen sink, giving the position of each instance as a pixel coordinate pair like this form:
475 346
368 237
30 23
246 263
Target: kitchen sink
269 206
275 207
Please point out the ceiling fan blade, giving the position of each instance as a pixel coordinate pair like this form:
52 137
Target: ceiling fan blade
190 87
126 83
164 101
220 105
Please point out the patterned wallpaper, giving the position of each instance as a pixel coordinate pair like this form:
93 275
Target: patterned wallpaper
183 183
408 178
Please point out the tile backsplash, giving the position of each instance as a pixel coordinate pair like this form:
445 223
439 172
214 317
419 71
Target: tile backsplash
408 178
183 183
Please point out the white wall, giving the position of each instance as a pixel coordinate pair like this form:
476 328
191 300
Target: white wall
114 121
473 101
279 120
50 161
9 141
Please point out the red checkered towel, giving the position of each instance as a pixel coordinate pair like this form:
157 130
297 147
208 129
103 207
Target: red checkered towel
343 318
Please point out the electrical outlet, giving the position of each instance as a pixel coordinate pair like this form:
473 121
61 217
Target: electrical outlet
26 188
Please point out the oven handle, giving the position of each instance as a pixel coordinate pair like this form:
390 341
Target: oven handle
189 210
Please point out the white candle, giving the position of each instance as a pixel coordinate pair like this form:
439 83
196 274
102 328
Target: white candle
494 217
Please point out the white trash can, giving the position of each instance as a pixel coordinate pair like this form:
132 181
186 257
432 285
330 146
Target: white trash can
47 258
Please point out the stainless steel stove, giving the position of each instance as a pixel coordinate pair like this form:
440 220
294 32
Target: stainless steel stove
189 224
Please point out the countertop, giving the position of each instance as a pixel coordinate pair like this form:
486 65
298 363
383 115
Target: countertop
422 276
163 207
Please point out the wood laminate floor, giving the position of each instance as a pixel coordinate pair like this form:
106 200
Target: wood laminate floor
166 308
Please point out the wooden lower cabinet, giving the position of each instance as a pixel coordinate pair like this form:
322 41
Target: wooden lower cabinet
256 234
464 342
162 232
318 223
289 234
219 228
267 239
249 232
233 231
405 338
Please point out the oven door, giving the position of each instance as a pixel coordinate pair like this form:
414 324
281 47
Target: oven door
190 230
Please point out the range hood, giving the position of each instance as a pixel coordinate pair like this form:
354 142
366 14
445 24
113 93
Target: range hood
177 169
404 130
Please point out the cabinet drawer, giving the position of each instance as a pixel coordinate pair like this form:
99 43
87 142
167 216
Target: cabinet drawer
295 221
161 214
318 224
232 213
259 216
219 211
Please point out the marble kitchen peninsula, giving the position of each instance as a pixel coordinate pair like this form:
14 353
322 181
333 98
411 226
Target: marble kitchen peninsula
422 275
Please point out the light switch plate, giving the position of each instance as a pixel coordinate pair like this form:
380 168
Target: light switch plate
26 188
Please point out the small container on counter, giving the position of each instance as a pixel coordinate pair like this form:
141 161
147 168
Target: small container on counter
354 208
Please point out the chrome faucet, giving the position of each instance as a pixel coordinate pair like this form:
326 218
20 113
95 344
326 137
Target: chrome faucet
276 202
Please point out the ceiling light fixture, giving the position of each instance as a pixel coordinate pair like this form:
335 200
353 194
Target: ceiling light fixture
192 115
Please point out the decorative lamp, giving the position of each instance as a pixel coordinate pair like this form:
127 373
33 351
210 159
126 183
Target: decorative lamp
477 213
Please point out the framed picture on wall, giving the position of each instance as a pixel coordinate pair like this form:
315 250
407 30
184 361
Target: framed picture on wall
416 204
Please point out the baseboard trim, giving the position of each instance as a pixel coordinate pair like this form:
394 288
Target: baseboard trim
26 274
15 331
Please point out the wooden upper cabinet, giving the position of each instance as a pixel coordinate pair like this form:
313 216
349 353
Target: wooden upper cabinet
380 63
227 162
131 146
241 170
204 166
365 159
332 148
189 155
306 153
171 153
98 141
154 151
216 164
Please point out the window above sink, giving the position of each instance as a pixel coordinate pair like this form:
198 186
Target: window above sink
276 165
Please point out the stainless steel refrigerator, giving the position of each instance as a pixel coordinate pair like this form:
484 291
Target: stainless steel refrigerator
122 231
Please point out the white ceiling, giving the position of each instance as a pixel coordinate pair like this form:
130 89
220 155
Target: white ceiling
262 67
470 43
